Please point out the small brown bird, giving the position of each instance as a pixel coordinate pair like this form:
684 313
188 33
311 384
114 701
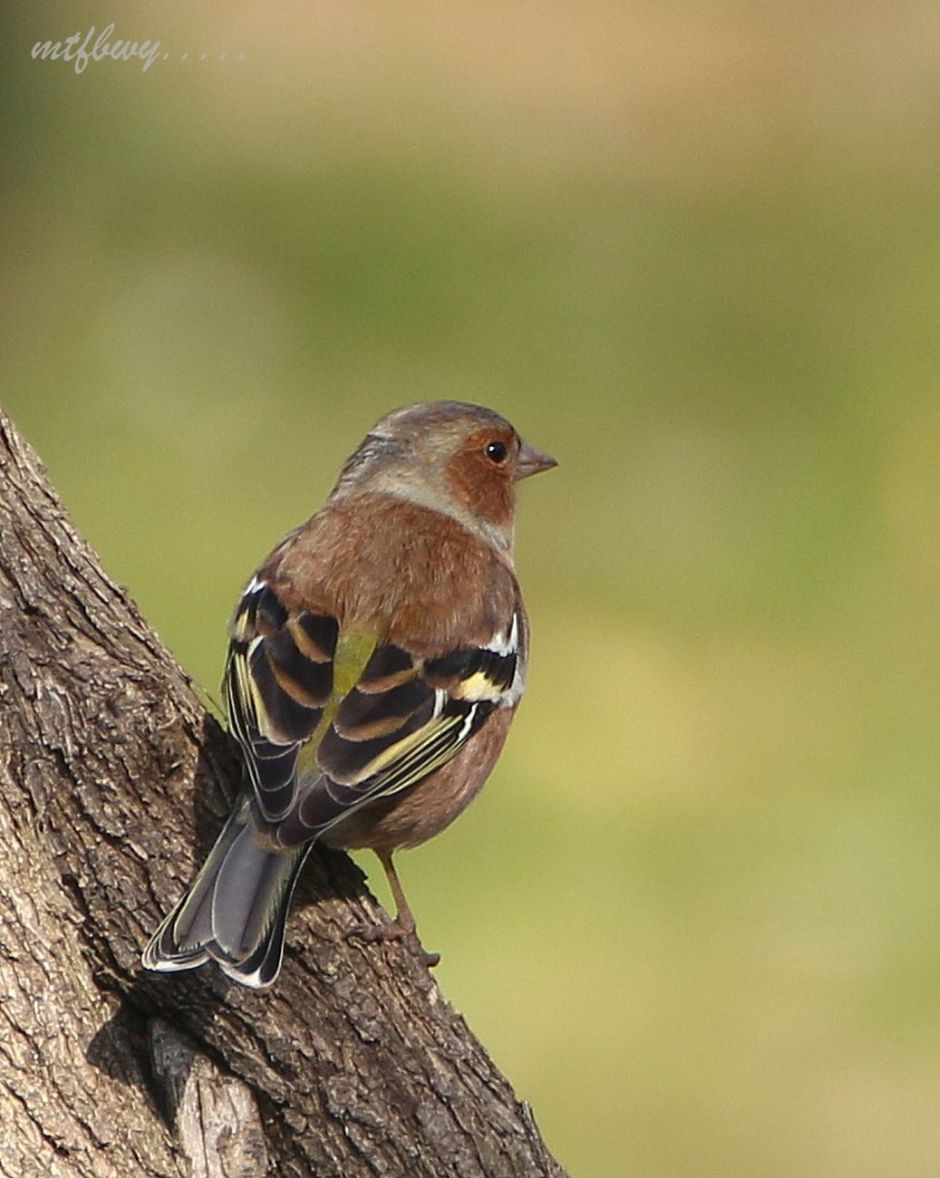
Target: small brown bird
376 661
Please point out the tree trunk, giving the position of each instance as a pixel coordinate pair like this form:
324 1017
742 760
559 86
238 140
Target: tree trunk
113 783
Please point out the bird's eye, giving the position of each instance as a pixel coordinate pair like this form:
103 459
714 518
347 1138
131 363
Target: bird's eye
496 452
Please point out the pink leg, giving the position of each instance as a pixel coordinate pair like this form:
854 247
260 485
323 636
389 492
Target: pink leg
403 927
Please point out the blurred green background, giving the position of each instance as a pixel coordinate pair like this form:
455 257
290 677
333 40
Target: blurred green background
694 252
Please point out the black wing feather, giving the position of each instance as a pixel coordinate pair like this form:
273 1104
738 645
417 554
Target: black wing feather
404 718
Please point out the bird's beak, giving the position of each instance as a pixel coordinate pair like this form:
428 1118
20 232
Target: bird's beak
531 461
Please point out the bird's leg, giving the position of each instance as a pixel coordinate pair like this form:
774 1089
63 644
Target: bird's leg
403 927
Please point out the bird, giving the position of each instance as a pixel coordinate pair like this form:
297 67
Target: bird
376 660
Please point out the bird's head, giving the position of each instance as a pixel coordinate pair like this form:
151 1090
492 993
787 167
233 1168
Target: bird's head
451 456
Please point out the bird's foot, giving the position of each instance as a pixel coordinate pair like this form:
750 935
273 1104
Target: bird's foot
395 931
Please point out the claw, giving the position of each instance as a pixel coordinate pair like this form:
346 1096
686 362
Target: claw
395 931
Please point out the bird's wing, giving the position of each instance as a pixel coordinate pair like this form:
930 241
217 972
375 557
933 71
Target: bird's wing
278 685
331 720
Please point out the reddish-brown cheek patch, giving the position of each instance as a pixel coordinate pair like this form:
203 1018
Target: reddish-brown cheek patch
479 484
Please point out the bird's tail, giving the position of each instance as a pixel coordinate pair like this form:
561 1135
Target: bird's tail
235 911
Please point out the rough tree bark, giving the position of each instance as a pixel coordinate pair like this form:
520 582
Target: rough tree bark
113 783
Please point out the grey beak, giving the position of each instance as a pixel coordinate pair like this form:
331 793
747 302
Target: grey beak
531 461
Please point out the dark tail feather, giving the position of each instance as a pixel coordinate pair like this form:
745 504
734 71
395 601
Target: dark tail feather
235 911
